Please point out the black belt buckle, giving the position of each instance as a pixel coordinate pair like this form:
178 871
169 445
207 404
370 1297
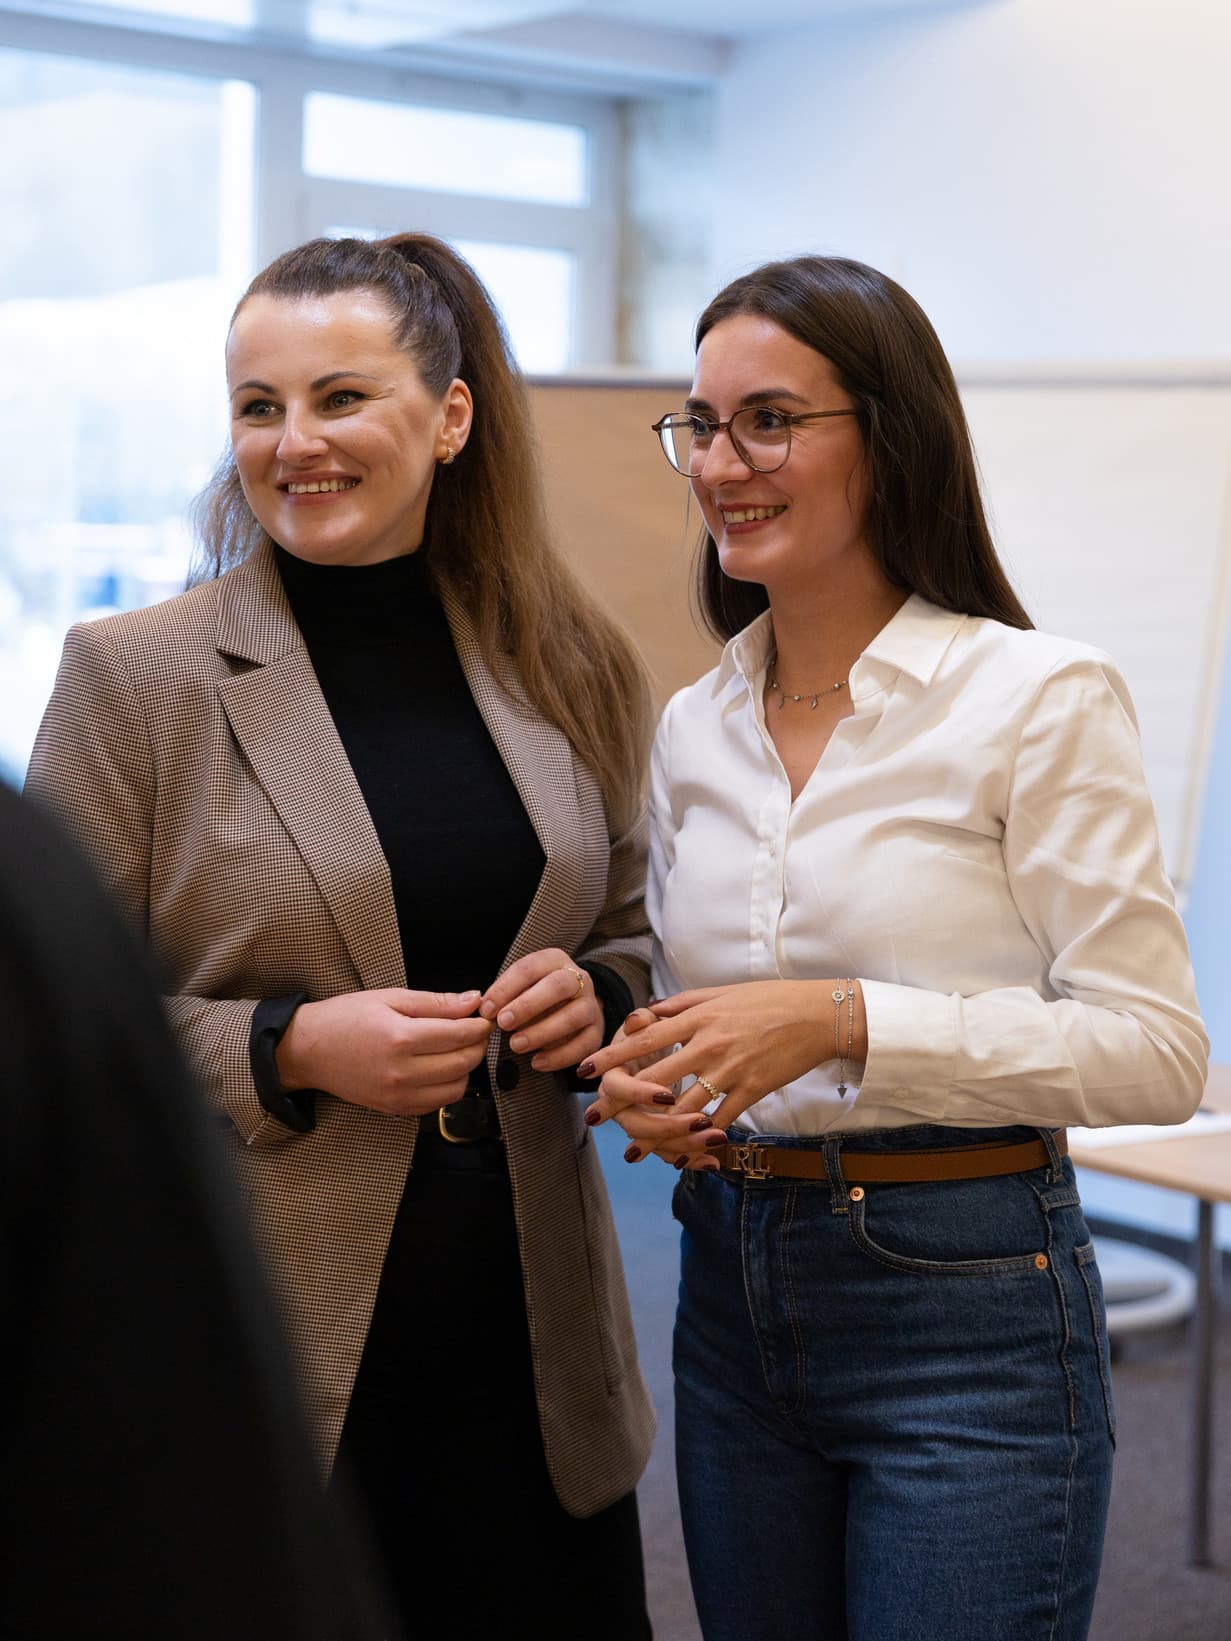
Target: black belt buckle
467 1121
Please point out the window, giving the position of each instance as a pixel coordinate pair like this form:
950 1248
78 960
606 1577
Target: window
531 286
114 299
528 200
445 150
146 175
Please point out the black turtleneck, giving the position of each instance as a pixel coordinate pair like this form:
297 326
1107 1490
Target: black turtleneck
463 857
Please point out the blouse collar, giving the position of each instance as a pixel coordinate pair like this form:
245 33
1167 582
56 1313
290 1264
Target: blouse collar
914 641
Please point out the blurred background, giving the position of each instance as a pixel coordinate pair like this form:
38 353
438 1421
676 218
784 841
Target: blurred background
1048 177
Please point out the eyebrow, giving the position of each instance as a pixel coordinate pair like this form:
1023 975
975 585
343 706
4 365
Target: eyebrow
760 397
313 387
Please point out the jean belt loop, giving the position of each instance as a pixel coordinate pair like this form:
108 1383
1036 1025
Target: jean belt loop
837 1183
1055 1166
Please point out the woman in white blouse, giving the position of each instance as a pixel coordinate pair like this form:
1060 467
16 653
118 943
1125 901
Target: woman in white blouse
911 920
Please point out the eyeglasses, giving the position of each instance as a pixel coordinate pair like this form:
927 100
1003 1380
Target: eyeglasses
761 436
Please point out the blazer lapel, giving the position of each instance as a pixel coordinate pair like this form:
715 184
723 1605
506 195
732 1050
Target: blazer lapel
284 728
539 758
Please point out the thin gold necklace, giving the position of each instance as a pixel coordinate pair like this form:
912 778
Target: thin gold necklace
812 696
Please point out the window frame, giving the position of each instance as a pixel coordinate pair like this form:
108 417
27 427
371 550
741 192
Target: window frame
289 206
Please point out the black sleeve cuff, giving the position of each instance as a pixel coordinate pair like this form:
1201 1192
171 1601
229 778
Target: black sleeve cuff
615 999
614 996
270 1019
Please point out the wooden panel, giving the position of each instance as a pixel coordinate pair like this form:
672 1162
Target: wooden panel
623 518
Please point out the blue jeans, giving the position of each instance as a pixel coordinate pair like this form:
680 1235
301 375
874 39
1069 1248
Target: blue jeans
893 1414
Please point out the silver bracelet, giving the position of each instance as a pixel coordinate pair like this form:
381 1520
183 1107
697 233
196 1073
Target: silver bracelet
840 1054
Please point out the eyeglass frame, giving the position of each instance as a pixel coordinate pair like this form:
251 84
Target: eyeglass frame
789 417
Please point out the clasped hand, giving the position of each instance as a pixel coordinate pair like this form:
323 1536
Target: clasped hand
744 1041
408 1052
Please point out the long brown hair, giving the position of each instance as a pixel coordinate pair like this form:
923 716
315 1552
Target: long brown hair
486 538
925 524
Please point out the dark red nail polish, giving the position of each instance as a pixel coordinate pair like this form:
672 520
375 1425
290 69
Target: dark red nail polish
715 1140
664 1099
699 1127
586 1068
592 1118
680 1162
632 1154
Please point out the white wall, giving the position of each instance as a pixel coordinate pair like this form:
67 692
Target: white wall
1048 177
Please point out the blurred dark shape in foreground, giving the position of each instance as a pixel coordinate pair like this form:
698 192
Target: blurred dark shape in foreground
155 1478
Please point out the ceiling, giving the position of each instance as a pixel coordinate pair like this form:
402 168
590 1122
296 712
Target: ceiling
686 41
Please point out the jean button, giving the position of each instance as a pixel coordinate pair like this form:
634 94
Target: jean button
1040 1262
856 1193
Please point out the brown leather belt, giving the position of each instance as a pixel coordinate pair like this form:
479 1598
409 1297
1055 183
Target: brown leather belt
757 1161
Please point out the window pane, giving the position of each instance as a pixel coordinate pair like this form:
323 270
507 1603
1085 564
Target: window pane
531 285
447 150
533 288
127 209
236 14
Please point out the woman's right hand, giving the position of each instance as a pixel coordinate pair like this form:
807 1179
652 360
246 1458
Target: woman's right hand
397 1051
643 1107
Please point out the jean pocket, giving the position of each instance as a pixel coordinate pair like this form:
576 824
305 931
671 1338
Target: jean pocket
682 1195
971 1228
1092 1282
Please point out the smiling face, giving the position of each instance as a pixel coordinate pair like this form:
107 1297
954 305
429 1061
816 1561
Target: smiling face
335 437
790 528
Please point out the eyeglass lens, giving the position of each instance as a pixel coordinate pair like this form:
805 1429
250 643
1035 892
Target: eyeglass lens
761 438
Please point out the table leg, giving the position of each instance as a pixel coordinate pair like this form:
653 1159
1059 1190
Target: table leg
1204 1333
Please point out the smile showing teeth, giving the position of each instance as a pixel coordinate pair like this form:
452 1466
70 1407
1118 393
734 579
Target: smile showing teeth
747 515
319 486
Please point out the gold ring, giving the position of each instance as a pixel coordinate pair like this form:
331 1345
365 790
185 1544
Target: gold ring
714 1093
580 977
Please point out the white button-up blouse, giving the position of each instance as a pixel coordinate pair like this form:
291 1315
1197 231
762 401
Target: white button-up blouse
976 845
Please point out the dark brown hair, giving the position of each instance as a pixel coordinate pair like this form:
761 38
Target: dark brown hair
486 537
925 522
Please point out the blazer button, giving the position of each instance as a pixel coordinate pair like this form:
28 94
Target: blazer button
508 1074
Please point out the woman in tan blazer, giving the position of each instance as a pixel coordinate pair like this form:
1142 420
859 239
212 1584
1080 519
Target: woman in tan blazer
372 789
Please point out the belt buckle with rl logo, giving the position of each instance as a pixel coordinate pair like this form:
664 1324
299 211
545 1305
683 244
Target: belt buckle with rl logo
752 1161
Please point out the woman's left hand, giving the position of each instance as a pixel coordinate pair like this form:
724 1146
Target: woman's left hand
744 1041
548 1007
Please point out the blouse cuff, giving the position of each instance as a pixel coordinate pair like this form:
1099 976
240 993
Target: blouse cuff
912 1048
297 1108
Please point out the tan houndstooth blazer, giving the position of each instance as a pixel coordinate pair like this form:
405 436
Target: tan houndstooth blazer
190 748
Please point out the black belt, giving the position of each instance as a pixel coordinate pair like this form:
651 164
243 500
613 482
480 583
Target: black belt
433 1155
467 1121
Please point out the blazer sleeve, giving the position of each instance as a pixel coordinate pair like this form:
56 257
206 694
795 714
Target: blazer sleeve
620 938
94 763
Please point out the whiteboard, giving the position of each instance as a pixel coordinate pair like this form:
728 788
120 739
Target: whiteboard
1110 504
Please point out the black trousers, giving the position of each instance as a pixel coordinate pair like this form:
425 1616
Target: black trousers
442 1444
